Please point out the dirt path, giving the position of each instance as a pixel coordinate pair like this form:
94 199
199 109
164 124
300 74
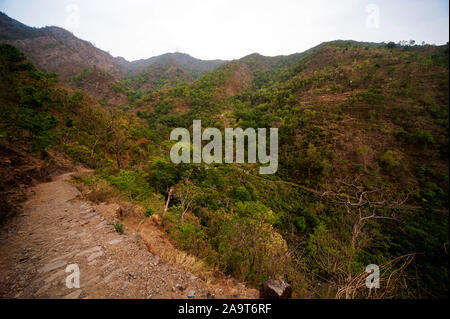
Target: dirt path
56 229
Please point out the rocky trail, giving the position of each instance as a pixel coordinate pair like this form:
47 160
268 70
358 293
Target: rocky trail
57 229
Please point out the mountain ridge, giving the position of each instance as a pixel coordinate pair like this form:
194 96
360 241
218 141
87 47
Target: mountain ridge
363 158
15 32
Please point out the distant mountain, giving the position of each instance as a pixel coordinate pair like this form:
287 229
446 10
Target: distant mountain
11 29
53 49
57 50
359 123
182 59
113 79
166 70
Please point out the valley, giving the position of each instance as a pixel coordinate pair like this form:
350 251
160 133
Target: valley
362 168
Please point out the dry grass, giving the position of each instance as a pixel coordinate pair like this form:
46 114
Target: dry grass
392 281
188 262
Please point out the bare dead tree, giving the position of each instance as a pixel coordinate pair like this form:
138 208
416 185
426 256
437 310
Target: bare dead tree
356 199
166 207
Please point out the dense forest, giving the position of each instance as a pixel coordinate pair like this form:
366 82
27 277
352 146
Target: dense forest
363 160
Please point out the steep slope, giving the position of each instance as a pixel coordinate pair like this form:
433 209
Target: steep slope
101 85
54 49
39 121
354 119
363 162
37 113
11 29
86 67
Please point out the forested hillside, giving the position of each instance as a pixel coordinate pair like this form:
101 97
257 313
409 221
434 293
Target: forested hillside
363 160
363 157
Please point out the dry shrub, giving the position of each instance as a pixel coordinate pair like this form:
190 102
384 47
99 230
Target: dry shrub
188 262
129 210
393 282
100 192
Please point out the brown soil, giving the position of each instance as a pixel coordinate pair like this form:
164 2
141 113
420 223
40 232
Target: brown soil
19 170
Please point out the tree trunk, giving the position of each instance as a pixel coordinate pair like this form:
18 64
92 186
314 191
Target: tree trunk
93 148
355 234
357 229
118 161
182 218
166 207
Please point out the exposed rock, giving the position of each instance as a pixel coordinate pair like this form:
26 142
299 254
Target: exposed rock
53 265
191 294
118 212
275 289
115 241
180 287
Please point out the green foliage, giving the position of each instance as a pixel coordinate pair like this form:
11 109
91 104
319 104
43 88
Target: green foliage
34 121
391 160
241 194
69 122
134 183
41 142
329 256
77 98
80 79
39 126
426 233
149 212
119 227
433 188
11 54
246 243
312 165
164 107
164 174
338 107
14 60
33 97
80 153
191 239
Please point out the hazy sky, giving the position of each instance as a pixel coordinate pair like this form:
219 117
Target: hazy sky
231 29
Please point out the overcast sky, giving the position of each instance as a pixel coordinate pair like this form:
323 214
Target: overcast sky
231 29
